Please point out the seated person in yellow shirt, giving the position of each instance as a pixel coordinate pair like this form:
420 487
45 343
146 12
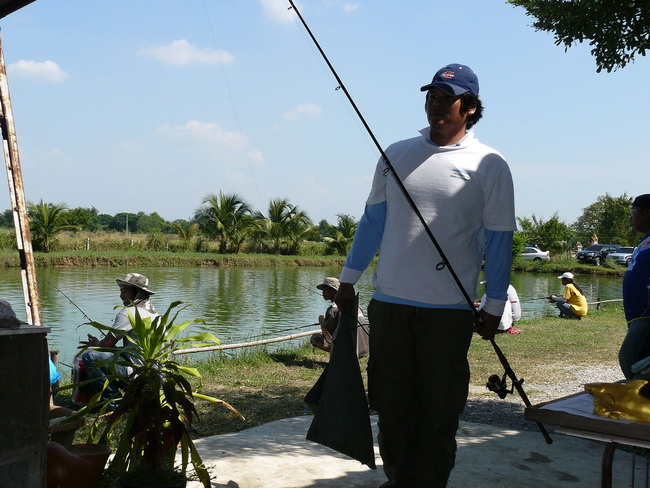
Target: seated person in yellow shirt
572 303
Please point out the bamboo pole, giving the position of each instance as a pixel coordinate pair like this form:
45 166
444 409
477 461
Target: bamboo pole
248 344
18 204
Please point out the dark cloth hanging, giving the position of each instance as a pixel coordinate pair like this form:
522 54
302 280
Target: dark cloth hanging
338 399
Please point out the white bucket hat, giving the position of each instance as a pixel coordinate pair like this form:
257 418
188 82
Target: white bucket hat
567 275
330 283
136 280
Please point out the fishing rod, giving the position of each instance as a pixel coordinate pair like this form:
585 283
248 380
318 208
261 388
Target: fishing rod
69 299
444 263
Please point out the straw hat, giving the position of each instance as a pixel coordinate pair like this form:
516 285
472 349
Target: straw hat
136 280
329 282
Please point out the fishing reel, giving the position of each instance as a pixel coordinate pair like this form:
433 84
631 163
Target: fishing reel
499 385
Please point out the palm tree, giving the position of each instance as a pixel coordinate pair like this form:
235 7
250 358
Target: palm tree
343 234
285 227
226 218
46 220
186 234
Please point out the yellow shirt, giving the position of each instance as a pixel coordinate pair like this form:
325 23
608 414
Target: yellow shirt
576 299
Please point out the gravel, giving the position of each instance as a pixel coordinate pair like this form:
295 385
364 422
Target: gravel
485 407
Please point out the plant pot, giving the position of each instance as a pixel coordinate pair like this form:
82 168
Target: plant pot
75 466
158 479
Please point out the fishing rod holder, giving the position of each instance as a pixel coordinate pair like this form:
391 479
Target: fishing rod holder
499 385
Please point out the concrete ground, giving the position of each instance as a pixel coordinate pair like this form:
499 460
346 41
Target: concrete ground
277 455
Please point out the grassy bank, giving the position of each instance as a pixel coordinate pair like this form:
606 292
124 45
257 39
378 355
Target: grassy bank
271 386
91 259
164 259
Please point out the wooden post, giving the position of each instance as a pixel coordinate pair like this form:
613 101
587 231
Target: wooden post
18 204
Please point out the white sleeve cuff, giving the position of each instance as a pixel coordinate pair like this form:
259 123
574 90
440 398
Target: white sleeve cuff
349 275
494 306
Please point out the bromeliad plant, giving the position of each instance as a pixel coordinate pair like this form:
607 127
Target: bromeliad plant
156 412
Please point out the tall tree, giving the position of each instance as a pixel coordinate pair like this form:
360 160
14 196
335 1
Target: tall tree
617 30
284 227
186 232
124 222
46 220
340 239
551 235
226 218
7 218
83 218
609 219
152 222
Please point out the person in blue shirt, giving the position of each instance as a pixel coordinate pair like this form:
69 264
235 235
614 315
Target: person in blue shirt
634 354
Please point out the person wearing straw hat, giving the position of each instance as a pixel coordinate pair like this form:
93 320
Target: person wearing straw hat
134 292
329 322
572 304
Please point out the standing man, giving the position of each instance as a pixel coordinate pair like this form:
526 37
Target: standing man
134 292
418 373
634 355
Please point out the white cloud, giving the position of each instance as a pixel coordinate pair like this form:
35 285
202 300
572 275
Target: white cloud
351 7
181 52
212 138
301 111
205 132
278 11
40 71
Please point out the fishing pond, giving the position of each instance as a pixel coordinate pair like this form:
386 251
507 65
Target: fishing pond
238 304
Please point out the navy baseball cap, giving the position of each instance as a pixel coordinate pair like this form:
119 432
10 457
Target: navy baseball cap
642 201
455 79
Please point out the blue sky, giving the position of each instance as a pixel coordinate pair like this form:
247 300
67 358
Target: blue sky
148 105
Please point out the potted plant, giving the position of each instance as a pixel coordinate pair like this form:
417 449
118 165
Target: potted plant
153 417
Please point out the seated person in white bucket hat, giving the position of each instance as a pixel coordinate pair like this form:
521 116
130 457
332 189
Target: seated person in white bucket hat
329 322
134 292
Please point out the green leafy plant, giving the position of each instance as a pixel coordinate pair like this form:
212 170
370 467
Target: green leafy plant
154 416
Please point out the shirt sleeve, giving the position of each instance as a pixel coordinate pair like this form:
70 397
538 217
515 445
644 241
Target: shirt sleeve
498 260
366 244
122 321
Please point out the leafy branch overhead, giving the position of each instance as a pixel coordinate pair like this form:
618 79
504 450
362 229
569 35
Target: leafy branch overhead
617 30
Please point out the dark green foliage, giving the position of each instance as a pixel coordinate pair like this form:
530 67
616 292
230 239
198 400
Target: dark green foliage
609 219
617 30
551 235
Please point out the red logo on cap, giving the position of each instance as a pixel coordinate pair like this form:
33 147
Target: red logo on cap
448 74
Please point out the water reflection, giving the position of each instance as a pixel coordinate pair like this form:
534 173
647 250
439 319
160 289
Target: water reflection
238 304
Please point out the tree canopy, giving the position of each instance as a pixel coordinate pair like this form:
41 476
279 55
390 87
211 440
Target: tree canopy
617 30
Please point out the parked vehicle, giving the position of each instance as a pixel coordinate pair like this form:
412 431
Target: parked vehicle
532 253
622 256
596 253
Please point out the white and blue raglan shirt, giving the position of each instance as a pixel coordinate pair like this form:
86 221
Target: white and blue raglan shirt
465 194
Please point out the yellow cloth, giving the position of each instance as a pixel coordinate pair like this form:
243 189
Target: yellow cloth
576 299
620 401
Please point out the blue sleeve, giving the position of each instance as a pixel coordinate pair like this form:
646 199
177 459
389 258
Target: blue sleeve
367 239
498 261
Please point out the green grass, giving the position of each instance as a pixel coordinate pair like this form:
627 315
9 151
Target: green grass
267 386
549 348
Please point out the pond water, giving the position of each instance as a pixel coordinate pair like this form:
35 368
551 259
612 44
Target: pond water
238 304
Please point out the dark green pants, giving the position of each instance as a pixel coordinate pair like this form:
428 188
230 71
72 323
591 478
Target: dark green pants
418 378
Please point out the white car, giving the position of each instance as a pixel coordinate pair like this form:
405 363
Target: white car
532 253
622 256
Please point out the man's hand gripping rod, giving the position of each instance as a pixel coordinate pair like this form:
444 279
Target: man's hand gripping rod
444 261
